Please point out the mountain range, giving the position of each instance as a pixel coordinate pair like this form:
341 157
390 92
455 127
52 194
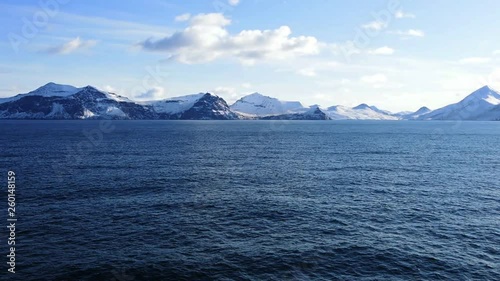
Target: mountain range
55 101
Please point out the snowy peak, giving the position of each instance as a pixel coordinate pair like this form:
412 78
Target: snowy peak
197 106
90 89
376 109
175 105
485 90
482 104
210 107
48 90
89 93
414 115
360 112
93 91
422 110
52 89
259 105
58 90
255 97
314 109
313 113
335 107
362 106
56 101
53 101
485 93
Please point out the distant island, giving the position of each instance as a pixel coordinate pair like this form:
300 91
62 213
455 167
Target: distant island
64 102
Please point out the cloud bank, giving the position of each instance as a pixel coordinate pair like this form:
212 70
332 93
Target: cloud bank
207 39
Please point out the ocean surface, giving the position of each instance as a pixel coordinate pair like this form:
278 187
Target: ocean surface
253 200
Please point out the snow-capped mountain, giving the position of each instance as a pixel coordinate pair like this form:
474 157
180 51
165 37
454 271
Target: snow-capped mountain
313 113
198 106
54 101
482 104
48 90
174 105
260 105
413 115
360 112
57 90
364 106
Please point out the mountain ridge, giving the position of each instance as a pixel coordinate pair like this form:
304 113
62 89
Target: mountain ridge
260 105
58 101
481 105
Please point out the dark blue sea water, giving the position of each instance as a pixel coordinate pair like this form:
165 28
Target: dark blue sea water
253 200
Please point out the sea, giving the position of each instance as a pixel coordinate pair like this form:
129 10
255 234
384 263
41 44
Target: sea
252 200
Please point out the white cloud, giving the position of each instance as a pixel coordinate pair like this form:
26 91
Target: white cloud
345 81
382 51
374 79
207 39
375 25
228 93
156 93
496 52
246 85
475 60
71 46
233 2
311 67
183 17
346 49
409 33
400 15
492 79
308 72
324 98
416 33
224 91
110 89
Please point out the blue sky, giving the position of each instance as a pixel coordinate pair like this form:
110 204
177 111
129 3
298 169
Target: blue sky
397 55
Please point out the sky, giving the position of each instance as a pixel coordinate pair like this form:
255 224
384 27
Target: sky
395 54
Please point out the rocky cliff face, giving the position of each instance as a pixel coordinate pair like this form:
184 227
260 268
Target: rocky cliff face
209 107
